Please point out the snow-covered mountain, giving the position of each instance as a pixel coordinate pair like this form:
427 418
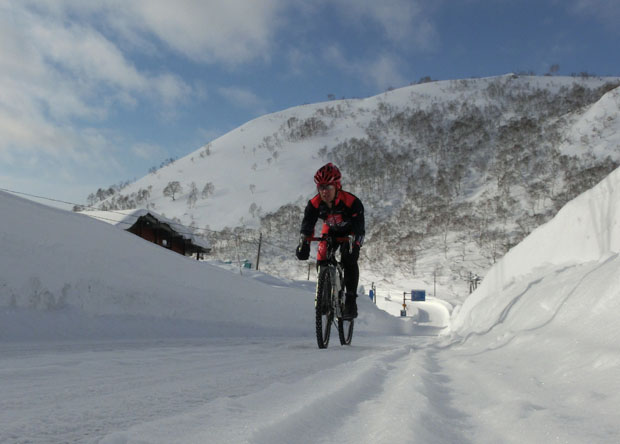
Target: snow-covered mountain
452 174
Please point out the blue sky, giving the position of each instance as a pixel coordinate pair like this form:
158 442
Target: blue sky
93 93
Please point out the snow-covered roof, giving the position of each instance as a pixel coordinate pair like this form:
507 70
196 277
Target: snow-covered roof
126 218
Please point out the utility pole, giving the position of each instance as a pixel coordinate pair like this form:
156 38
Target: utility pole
238 258
260 241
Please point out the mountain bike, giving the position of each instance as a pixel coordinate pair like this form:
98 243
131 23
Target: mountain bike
329 301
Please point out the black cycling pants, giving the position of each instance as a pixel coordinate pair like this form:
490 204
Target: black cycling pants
351 270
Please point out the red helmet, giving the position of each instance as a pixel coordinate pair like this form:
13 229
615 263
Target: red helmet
328 175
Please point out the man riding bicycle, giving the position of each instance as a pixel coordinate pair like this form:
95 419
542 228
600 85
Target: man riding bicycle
343 215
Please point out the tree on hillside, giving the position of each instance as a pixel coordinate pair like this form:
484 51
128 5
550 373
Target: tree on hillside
192 197
208 190
172 189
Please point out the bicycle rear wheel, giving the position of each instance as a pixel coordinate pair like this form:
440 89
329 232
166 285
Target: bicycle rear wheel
345 331
324 315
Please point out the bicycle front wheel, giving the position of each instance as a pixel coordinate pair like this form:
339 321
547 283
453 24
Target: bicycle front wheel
345 331
324 314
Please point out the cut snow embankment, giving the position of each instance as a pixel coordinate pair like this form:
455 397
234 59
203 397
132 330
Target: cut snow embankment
586 230
540 339
556 294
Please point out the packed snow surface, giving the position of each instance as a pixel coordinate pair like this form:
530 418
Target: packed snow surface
106 338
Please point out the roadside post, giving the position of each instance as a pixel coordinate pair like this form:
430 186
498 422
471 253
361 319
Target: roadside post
373 293
416 296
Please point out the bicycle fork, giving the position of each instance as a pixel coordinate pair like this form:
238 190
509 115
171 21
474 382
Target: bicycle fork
336 278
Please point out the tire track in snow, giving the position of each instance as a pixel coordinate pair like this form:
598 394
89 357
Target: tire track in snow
441 421
416 402
403 393
323 415
307 409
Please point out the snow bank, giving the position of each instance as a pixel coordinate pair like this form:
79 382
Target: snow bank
539 339
586 230
97 280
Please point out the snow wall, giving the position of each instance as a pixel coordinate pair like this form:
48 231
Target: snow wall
568 265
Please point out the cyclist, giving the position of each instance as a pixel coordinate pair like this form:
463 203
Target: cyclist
343 214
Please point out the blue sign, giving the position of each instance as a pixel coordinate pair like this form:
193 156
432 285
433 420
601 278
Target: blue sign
418 295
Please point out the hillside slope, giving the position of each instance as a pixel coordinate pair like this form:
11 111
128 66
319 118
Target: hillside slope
452 174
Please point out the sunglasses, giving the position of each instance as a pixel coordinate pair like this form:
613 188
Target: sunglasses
325 187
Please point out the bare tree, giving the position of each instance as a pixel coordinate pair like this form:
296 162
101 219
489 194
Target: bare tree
208 190
172 189
193 195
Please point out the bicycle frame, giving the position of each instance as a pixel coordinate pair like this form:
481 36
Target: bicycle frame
330 311
336 278
335 267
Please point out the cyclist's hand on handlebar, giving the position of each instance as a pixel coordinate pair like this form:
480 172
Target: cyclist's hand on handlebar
303 249
358 240
356 244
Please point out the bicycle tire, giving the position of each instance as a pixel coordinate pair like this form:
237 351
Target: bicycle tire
324 315
345 331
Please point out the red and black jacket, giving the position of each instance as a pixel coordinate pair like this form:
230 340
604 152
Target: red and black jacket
346 216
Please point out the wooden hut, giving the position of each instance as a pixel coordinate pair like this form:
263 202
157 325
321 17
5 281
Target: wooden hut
155 228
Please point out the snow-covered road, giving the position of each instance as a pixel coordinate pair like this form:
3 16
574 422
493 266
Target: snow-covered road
382 389
224 390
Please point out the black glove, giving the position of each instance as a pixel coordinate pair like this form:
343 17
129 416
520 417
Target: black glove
358 240
303 249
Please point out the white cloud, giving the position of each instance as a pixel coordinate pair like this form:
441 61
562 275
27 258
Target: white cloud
59 78
63 60
148 151
406 22
385 73
386 31
85 54
170 88
382 72
242 98
299 60
606 11
67 66
212 31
